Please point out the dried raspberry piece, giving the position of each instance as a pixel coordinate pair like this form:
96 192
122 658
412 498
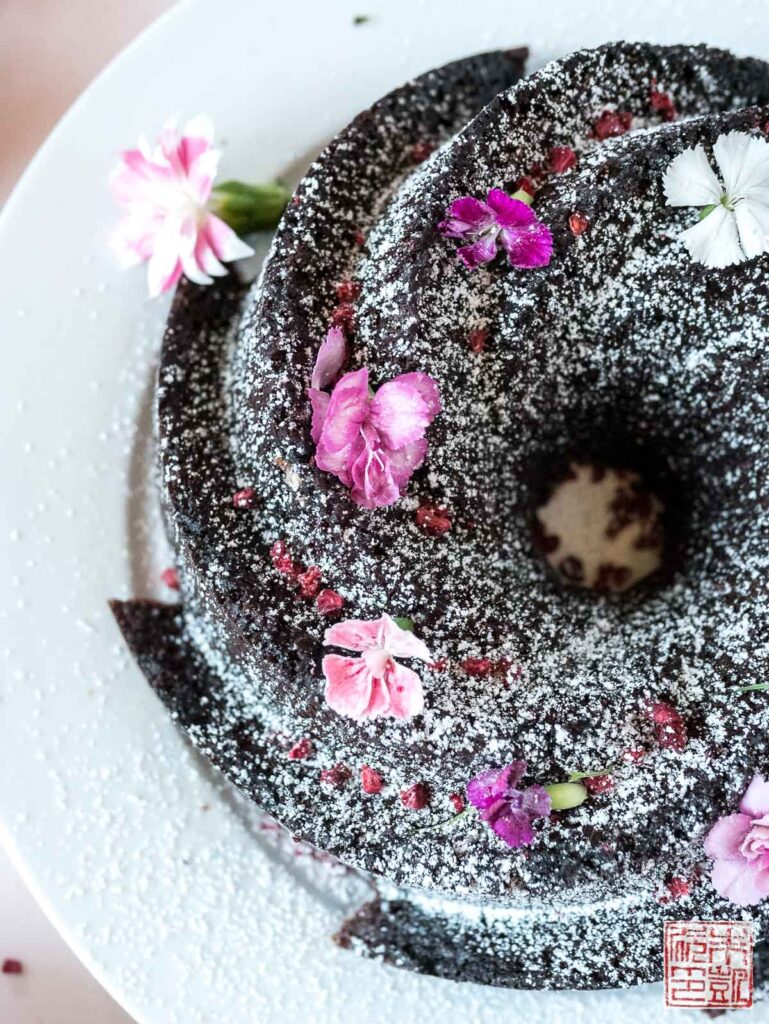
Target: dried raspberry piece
612 123
440 665
328 602
416 797
309 581
478 667
11 966
457 801
343 316
359 238
420 151
597 784
301 749
578 224
245 498
348 291
282 560
370 781
662 104
433 520
677 887
669 727
561 158
171 578
477 339
528 184
337 776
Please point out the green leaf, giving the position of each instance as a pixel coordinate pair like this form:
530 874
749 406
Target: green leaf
249 208
755 686
566 795
576 776
706 210
404 622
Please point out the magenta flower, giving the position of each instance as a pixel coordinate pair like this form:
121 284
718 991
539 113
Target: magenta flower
371 442
501 220
164 193
374 684
739 846
509 810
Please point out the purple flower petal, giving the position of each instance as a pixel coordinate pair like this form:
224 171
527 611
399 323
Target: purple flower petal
466 215
480 789
528 247
331 357
405 461
514 828
482 251
509 212
372 482
346 410
427 388
508 778
399 413
536 802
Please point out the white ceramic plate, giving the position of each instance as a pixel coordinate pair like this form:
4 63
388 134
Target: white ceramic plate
154 871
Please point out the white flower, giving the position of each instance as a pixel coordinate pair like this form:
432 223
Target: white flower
734 225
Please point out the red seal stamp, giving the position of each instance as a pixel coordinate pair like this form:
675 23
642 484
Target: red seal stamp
709 964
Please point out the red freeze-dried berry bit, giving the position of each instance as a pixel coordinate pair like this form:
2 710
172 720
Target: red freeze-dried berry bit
440 665
171 578
433 520
420 151
634 756
246 498
337 776
457 801
597 784
527 184
662 104
612 123
12 966
562 158
359 238
348 291
328 602
416 797
477 339
669 726
282 560
343 316
370 781
578 224
478 667
301 749
678 887
309 581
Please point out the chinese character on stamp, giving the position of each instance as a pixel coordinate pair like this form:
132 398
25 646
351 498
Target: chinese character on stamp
709 964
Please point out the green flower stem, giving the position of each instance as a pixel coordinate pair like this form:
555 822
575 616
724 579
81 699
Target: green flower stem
249 208
448 823
523 196
577 776
754 687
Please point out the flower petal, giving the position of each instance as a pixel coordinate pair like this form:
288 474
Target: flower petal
466 215
331 357
380 703
348 685
755 802
347 410
400 414
744 164
224 241
690 180
401 643
725 838
752 217
482 251
372 480
536 802
509 212
740 882
405 461
427 388
508 778
319 401
480 790
514 827
354 635
714 241
528 247
406 694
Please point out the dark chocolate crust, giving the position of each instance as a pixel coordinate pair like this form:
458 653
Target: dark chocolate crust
621 350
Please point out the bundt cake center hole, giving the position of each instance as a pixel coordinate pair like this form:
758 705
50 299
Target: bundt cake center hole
600 528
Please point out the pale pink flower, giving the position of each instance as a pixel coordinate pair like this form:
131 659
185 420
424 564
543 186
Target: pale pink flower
374 684
739 846
372 442
164 191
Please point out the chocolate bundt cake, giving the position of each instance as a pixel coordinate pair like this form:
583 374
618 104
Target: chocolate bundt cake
599 731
